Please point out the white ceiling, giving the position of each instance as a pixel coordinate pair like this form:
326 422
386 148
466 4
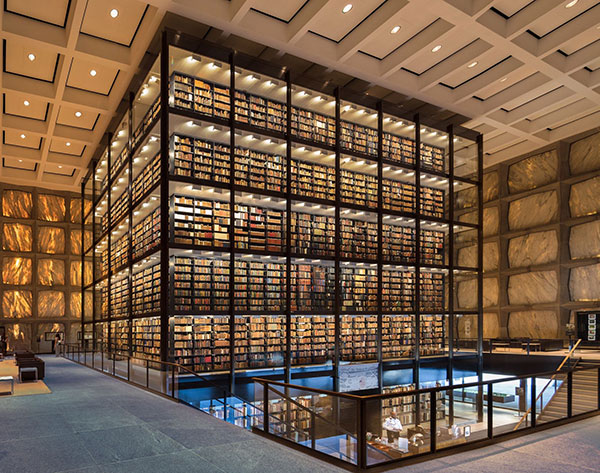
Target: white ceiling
54 112
536 79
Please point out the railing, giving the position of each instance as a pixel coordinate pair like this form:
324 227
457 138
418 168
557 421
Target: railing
349 429
170 380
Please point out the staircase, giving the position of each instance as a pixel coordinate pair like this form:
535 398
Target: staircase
585 394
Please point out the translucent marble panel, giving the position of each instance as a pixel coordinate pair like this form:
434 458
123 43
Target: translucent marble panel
75 209
466 199
17 237
533 172
584 155
467 293
584 283
533 249
536 287
76 272
467 326
17 304
533 211
43 329
75 305
467 256
584 240
491 221
490 186
75 241
51 304
51 272
51 240
18 336
16 271
73 334
17 204
533 324
584 198
469 217
51 208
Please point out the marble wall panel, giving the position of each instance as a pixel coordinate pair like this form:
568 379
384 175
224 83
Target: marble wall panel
75 241
491 221
51 304
467 256
467 293
534 324
467 326
584 283
537 287
584 198
75 271
533 249
51 208
584 155
533 211
584 240
466 198
17 271
17 237
533 172
51 272
76 212
50 328
17 204
469 217
51 240
17 304
74 333
18 336
490 186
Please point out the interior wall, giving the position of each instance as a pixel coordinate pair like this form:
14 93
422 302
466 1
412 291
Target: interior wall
542 239
40 284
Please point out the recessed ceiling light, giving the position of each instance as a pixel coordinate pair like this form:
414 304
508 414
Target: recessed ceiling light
395 29
436 48
59 167
26 103
473 64
114 13
20 160
572 3
31 57
68 143
503 79
22 136
93 72
347 8
77 114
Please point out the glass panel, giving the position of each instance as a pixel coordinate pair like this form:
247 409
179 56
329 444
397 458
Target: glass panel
146 105
434 150
312 339
101 175
465 158
399 145
313 117
552 402
358 133
511 404
398 336
434 334
433 297
460 422
358 337
585 391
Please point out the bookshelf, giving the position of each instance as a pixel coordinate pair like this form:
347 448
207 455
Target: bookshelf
406 406
249 215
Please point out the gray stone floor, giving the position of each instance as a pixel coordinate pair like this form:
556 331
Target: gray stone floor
92 423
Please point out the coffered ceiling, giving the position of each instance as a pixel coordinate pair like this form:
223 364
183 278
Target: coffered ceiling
66 66
525 73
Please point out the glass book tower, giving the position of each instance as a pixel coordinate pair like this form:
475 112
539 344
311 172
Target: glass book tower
243 219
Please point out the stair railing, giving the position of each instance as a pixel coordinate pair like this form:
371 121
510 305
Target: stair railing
552 378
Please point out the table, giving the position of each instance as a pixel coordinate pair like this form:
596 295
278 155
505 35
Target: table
8 379
29 369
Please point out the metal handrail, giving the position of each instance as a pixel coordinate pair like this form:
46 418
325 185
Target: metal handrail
552 378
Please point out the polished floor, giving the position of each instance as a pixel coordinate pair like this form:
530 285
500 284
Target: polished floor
92 423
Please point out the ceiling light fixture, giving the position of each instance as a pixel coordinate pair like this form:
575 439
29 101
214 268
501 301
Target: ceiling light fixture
503 79
22 136
347 8
31 57
78 114
26 103
114 13
473 64
59 167
93 72
395 29
572 3
68 143
436 48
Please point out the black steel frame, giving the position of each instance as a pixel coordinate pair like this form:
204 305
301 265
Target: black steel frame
235 59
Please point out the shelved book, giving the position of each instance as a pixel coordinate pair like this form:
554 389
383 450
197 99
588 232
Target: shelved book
146 291
119 252
358 337
119 332
312 339
146 179
358 288
312 288
259 341
119 298
200 285
259 286
358 189
433 335
358 239
146 338
398 336
358 138
312 234
146 234
313 180
406 408
200 222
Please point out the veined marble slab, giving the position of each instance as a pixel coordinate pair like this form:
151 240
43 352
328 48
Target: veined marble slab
17 304
467 293
51 304
51 272
17 271
467 256
51 208
533 172
584 155
533 249
533 324
533 211
18 335
584 283
466 198
17 237
584 240
491 221
536 287
584 198
51 240
467 326
490 186
17 204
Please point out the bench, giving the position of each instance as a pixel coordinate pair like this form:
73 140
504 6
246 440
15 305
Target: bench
27 370
8 379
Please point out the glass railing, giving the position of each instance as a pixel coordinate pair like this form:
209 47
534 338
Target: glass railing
383 429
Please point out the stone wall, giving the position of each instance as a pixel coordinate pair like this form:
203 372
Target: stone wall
40 284
541 240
